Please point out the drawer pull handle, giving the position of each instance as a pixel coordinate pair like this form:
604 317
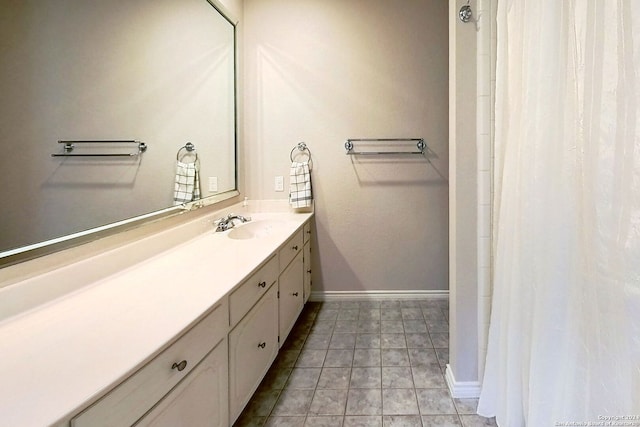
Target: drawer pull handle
295 248
179 366
262 284
295 294
262 345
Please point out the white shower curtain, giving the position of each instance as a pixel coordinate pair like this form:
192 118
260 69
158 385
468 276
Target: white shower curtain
564 338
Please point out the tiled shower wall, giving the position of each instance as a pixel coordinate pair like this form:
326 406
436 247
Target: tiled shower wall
486 83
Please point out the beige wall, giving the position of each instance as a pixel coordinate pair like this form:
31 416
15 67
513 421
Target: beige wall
324 71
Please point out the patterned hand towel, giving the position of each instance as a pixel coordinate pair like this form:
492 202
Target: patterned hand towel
300 185
187 188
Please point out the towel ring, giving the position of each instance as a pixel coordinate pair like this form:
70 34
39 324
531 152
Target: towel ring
302 147
190 148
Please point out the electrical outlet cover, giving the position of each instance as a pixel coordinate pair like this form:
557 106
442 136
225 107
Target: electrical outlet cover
213 184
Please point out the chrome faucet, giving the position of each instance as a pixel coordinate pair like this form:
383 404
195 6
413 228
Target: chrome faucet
225 223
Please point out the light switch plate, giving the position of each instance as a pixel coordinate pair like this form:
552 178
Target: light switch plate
279 183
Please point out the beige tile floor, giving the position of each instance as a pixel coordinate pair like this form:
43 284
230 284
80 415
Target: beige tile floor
363 363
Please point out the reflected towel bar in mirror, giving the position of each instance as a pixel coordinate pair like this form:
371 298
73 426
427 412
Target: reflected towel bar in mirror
374 143
189 148
70 145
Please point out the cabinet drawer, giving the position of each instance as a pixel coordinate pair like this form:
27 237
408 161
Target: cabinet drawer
243 298
290 249
201 399
307 231
135 396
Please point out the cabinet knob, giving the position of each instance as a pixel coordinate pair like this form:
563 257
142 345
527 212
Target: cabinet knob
309 271
179 366
295 248
295 294
262 284
262 345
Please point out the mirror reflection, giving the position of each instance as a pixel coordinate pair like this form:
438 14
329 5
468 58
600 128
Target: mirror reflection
158 72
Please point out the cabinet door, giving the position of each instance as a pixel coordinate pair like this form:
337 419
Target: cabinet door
291 295
253 345
200 399
307 270
130 400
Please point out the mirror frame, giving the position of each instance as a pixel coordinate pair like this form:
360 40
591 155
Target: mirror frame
48 247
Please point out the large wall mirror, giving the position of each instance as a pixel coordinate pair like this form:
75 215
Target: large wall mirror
160 72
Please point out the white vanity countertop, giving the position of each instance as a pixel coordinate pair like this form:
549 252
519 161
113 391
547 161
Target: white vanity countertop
63 354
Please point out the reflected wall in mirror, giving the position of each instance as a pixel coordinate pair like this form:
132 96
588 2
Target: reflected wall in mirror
158 71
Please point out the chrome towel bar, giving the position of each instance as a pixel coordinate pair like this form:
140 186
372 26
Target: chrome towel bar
70 145
421 146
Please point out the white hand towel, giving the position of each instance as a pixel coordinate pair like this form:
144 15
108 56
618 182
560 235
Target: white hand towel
300 185
187 187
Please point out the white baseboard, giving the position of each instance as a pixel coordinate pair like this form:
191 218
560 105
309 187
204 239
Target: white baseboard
377 295
461 389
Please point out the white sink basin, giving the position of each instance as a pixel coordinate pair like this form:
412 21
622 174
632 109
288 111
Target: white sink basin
256 229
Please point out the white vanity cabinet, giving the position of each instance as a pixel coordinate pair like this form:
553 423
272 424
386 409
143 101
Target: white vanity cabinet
255 340
253 345
291 296
306 260
200 400
207 375
130 400
290 283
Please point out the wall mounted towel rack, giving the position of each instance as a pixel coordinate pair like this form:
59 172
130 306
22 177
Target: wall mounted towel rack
189 148
303 149
349 146
70 145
